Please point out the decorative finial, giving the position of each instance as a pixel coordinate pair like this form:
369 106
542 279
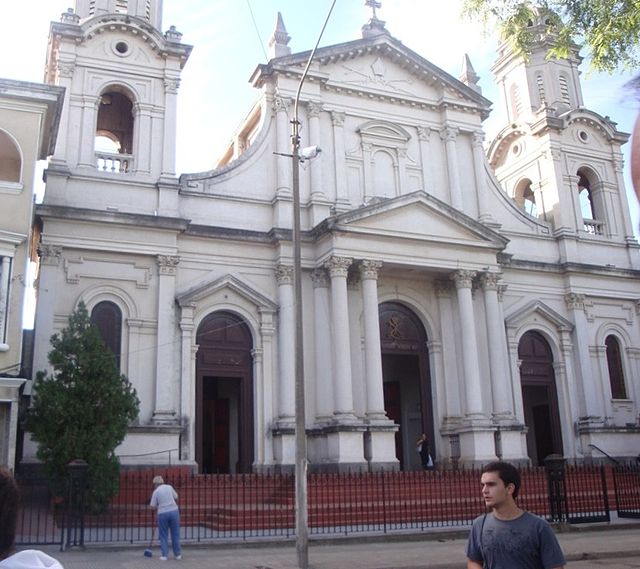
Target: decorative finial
374 27
280 39
469 76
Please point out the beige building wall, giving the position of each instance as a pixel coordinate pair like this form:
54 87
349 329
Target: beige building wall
29 116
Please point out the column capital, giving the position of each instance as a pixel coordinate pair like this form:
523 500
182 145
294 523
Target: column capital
281 104
449 133
424 133
490 281
338 266
477 139
574 301
171 85
369 269
337 118
314 108
463 278
320 278
49 254
167 264
284 274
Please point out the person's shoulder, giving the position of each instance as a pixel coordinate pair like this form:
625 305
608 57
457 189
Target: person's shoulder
30 559
481 518
534 519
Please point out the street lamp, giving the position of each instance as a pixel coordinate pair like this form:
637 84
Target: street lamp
302 529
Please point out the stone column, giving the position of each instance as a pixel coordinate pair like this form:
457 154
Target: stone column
343 393
88 131
470 362
313 111
187 379
141 150
449 135
286 336
339 162
592 409
5 271
401 171
165 409
497 344
367 171
322 345
428 183
171 85
62 153
283 145
264 368
479 160
447 364
372 350
50 261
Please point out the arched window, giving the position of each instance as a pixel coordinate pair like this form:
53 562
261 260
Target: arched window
525 198
614 363
540 84
114 132
593 223
107 317
565 96
516 101
10 160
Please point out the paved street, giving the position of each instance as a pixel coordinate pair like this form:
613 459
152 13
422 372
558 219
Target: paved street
611 548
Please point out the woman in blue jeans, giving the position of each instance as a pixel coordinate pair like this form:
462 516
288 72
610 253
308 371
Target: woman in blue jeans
164 500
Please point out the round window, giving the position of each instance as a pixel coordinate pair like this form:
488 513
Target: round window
122 47
583 136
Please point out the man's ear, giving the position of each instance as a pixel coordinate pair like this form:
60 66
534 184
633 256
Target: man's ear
511 488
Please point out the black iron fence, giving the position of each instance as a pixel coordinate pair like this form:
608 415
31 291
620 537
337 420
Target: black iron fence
256 506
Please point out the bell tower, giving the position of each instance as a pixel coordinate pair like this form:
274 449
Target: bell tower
121 75
559 161
528 85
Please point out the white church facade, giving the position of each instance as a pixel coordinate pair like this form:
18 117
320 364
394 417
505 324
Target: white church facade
487 298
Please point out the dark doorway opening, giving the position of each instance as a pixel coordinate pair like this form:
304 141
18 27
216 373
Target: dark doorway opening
224 395
407 382
539 397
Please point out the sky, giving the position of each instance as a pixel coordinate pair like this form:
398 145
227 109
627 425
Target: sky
230 39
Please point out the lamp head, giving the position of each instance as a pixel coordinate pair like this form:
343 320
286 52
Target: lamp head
309 152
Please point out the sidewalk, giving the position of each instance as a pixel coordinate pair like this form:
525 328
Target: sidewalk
432 550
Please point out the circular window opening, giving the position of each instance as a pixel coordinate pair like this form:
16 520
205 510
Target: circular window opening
515 149
583 136
122 47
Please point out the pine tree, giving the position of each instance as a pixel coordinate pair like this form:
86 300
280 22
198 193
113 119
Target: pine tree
82 409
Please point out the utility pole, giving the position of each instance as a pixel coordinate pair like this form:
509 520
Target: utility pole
302 526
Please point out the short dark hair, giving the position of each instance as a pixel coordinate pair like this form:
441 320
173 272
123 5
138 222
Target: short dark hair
508 473
9 498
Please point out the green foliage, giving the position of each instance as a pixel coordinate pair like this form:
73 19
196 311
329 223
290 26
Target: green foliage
609 29
82 409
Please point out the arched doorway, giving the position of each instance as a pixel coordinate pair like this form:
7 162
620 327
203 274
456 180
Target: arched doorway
224 395
539 397
406 380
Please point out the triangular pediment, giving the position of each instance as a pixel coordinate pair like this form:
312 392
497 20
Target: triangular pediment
232 283
536 310
418 216
380 65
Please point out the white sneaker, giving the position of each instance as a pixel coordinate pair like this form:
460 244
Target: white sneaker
178 557
163 558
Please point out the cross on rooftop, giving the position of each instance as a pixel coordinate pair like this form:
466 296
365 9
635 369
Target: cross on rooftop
373 4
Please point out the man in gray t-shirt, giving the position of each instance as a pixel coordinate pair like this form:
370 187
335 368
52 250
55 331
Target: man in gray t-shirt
508 537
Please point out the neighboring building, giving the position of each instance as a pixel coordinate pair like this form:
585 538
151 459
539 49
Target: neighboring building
29 117
501 322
